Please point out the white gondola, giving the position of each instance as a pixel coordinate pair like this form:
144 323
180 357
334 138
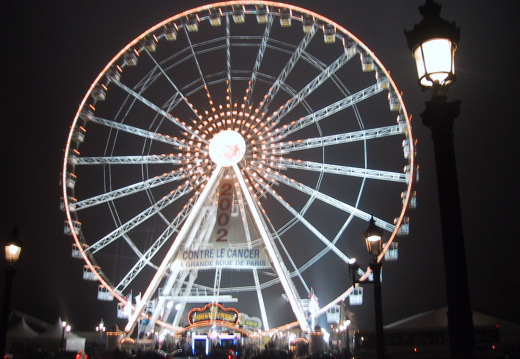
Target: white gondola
333 314
261 14
285 17
413 199
75 224
393 101
150 45
79 135
404 229
192 24
113 74
130 59
329 34
392 253
238 15
367 62
73 157
88 274
308 23
382 80
407 173
86 114
71 180
121 311
406 148
356 296
104 294
99 94
170 33
72 202
76 253
215 19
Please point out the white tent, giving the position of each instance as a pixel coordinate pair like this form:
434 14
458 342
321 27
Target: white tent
22 331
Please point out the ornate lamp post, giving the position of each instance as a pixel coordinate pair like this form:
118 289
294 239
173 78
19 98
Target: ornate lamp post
100 329
373 238
433 43
13 248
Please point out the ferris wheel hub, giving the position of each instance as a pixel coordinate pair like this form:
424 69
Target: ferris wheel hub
227 148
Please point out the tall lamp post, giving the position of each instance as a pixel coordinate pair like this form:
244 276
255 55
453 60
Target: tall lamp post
373 238
433 43
13 248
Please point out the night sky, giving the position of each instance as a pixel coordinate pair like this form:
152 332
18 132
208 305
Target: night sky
53 51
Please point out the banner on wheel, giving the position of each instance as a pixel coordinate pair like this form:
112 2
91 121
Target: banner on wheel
224 256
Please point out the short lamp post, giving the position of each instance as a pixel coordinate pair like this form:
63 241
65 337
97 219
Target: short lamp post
101 329
373 238
65 328
13 248
344 328
433 43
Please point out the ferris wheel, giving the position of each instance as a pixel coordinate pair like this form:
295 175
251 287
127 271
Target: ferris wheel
231 154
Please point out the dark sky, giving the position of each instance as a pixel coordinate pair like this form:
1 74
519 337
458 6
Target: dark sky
53 50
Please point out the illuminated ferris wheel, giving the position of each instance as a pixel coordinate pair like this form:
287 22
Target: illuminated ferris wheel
234 153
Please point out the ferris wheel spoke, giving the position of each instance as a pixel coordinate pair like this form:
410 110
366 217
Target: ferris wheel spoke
331 201
331 109
129 190
177 98
131 160
228 63
138 132
258 62
305 222
341 138
154 107
310 87
198 66
141 217
286 71
295 271
339 170
151 252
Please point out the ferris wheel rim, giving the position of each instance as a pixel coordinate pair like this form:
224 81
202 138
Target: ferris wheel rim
70 219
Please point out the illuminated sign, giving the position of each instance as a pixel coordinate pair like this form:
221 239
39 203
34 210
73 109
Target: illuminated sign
212 312
222 255
247 322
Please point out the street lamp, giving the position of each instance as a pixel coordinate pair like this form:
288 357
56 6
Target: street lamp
13 248
433 43
373 238
344 328
64 328
101 328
